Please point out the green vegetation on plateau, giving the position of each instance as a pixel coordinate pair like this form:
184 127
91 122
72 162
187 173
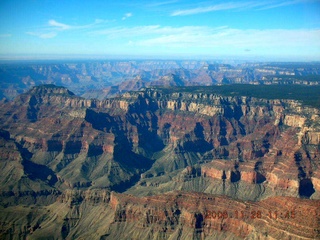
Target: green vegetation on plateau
309 78
308 95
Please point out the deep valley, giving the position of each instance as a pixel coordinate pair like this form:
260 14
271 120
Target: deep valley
133 166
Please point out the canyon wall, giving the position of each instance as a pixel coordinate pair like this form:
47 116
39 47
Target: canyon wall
99 214
153 132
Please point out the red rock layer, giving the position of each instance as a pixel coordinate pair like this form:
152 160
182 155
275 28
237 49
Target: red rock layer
276 217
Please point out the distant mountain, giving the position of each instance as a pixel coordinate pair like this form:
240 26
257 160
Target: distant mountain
133 85
108 78
170 80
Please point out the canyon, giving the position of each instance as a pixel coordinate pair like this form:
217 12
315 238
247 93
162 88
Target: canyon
182 162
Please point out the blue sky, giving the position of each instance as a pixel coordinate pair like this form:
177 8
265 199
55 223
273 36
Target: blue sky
265 29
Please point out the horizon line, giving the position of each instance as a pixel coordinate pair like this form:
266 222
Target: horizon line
72 57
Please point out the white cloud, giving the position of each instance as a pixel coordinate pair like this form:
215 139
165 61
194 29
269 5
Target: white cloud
276 5
154 30
284 3
43 35
236 38
158 4
258 5
120 32
59 26
62 26
54 27
212 8
206 37
127 15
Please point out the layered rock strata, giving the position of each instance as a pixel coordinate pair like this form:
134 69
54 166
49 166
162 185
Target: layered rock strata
59 150
91 143
179 215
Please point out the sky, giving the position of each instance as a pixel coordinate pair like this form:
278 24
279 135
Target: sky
247 29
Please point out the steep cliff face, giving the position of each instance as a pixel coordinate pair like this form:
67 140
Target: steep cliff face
262 144
99 214
194 215
80 146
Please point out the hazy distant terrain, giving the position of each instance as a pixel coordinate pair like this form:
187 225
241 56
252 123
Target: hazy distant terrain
103 79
